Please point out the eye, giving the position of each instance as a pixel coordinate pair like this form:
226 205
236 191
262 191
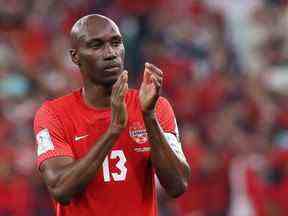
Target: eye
95 44
116 41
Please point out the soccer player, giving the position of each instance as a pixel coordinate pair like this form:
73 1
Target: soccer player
99 147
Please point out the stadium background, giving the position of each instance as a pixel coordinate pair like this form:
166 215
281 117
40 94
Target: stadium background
225 68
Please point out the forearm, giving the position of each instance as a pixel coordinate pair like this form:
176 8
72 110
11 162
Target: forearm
73 178
172 170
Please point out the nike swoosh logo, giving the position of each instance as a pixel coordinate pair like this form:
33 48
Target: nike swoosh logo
77 138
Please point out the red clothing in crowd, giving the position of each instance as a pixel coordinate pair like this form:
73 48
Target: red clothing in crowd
15 197
207 192
268 192
140 7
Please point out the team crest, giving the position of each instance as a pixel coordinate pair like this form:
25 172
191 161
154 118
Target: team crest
138 133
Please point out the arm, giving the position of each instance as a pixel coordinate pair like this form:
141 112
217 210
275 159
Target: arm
167 157
170 163
66 177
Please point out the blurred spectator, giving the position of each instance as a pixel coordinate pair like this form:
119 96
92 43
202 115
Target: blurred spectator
16 196
225 68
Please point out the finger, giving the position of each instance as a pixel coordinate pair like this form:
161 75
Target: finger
125 76
122 92
157 76
123 84
125 89
121 89
146 76
157 73
154 69
117 83
156 82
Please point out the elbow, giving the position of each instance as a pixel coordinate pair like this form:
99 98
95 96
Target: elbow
61 197
182 184
178 189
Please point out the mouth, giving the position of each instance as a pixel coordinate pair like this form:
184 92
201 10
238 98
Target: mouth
112 68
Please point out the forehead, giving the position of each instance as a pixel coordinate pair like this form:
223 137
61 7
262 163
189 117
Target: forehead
100 29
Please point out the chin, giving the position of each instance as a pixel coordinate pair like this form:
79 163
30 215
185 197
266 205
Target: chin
105 81
109 82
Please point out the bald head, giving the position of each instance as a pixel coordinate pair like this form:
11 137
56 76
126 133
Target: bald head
92 22
97 49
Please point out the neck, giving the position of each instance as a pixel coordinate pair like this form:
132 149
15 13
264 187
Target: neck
97 96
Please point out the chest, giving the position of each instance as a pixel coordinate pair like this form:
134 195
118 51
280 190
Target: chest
132 143
129 156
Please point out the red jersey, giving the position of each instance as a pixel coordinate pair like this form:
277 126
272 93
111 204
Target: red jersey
124 184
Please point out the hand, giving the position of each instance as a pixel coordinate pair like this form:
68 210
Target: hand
118 105
150 88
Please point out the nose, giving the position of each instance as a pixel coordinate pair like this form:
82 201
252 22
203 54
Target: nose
109 53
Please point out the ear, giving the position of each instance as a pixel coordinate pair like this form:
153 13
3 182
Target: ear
74 56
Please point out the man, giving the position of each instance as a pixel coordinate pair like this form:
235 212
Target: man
98 147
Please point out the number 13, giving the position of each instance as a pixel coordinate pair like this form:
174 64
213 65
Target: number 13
120 165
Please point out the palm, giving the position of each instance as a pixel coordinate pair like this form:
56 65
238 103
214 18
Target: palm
148 94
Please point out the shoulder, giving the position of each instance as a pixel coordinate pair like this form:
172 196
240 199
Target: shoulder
163 103
65 101
60 103
56 109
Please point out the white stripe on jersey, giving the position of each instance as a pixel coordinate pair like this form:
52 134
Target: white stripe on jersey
176 130
175 145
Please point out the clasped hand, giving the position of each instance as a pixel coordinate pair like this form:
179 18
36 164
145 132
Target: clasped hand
148 95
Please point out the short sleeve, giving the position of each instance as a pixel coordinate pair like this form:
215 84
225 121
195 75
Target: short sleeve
166 117
50 137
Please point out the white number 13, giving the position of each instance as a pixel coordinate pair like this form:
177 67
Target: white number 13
121 176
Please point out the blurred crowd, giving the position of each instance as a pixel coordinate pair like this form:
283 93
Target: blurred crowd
225 68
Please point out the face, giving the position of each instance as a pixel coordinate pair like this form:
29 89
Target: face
100 53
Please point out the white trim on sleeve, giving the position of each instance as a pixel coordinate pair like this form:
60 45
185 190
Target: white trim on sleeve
175 145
